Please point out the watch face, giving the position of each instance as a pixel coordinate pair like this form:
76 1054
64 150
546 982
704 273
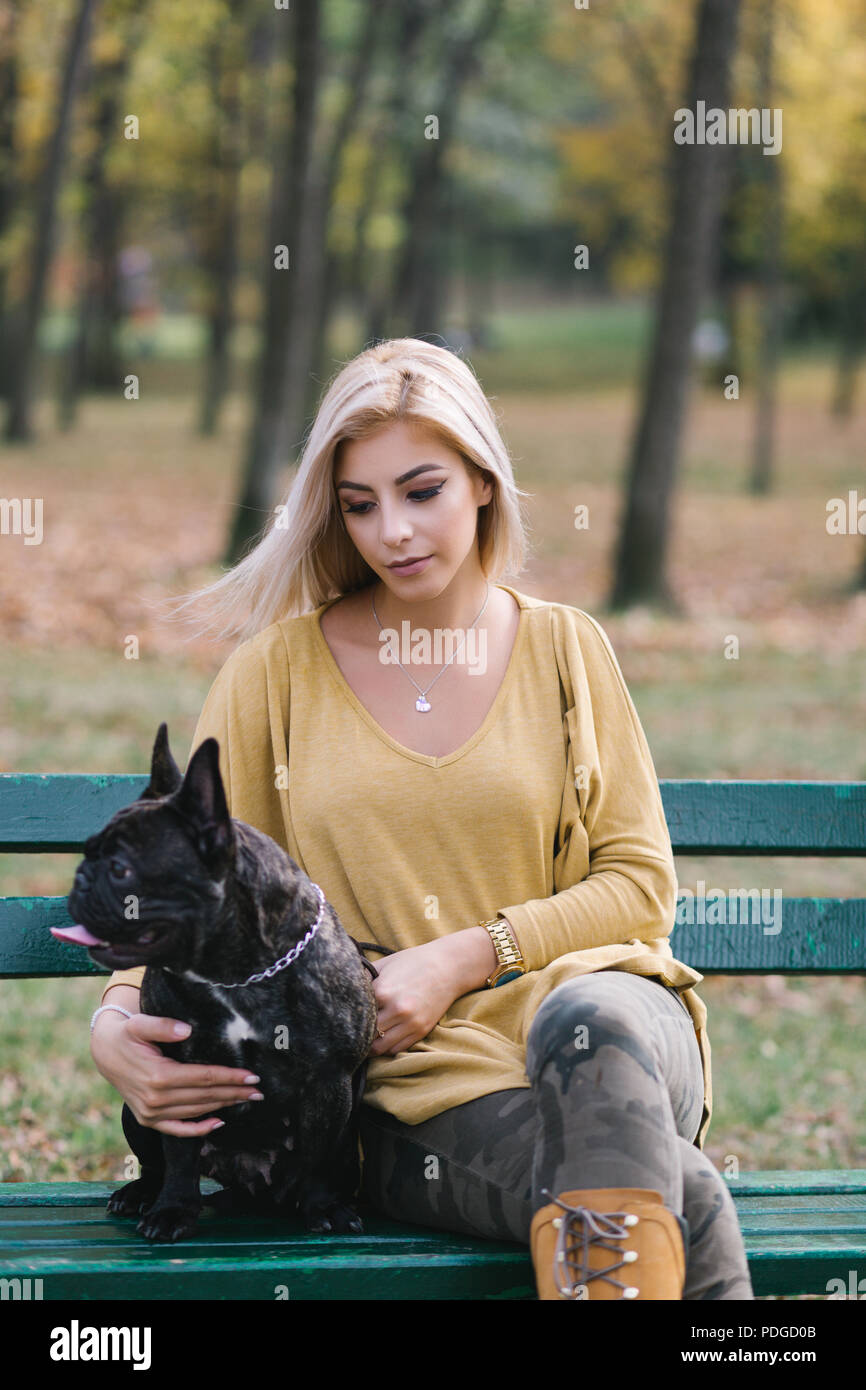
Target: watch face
509 975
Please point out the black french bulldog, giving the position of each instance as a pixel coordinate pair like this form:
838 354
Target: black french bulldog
218 902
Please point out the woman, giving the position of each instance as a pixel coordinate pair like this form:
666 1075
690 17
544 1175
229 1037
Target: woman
461 768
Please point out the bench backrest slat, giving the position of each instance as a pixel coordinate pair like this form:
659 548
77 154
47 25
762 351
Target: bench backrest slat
820 935
59 811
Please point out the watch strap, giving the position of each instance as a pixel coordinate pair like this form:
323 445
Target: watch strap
508 955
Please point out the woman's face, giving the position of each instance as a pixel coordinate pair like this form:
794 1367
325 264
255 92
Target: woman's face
393 516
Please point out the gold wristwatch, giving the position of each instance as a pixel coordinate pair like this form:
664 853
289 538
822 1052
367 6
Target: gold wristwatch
510 962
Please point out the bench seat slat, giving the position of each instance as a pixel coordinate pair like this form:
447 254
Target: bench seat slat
794 1242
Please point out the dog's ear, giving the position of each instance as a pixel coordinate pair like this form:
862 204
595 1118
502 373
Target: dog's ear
202 800
165 775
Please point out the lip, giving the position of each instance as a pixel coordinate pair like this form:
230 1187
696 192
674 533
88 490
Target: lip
114 954
412 566
119 956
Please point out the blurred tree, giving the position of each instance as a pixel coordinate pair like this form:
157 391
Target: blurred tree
696 186
92 359
19 425
417 294
767 363
390 130
325 266
823 51
288 328
227 54
10 13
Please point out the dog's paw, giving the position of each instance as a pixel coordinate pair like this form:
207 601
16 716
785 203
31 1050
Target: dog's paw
337 1218
168 1223
132 1200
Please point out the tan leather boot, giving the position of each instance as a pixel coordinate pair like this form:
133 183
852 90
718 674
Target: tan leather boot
581 1238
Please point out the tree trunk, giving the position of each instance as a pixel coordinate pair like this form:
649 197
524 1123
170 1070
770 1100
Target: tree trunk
419 293
294 192
324 266
19 420
852 315
227 61
9 17
697 183
771 306
93 359
412 24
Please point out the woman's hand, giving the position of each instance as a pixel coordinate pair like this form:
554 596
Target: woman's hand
415 987
163 1094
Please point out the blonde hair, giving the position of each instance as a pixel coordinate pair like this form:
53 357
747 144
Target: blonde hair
307 556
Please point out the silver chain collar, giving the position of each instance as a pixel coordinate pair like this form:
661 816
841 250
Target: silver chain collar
288 958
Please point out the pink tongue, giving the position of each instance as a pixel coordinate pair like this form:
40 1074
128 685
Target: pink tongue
79 936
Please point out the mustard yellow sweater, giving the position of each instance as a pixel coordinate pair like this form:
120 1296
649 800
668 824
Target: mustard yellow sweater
549 814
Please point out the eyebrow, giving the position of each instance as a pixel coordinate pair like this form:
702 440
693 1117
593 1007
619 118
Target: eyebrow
403 478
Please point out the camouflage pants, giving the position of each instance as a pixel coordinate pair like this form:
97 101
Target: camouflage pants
615 1105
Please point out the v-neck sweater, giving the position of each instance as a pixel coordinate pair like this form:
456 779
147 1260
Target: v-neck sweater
550 815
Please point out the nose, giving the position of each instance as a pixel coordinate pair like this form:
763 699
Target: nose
395 528
82 878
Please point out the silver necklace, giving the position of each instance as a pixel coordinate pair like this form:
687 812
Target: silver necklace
422 704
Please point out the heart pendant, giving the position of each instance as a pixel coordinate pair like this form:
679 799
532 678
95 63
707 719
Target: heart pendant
422 705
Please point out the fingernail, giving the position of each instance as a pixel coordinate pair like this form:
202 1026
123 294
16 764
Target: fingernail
251 1080
181 1030
218 1124
256 1095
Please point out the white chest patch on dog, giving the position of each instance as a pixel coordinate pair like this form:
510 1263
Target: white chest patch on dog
237 1028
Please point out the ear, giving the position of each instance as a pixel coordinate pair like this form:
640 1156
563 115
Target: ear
202 800
165 775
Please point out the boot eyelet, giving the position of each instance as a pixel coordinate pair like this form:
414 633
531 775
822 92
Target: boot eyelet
631 1219
629 1256
630 1292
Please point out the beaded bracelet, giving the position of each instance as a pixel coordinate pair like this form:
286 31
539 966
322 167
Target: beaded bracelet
102 1009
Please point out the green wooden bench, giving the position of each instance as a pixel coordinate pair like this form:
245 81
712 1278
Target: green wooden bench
800 1228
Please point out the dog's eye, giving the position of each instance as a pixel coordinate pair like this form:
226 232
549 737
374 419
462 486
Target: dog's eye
118 869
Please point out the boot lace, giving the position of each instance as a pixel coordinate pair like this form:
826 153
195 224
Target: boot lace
580 1228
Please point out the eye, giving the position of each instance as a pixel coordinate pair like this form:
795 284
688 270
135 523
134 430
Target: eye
118 869
361 507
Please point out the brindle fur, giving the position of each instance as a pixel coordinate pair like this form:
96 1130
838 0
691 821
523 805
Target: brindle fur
227 901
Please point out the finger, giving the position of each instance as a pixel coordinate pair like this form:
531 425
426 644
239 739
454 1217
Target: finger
209 1099
158 1029
393 1037
189 1110
186 1130
198 1074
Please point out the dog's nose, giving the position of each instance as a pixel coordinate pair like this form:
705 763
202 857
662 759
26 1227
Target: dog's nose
82 878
